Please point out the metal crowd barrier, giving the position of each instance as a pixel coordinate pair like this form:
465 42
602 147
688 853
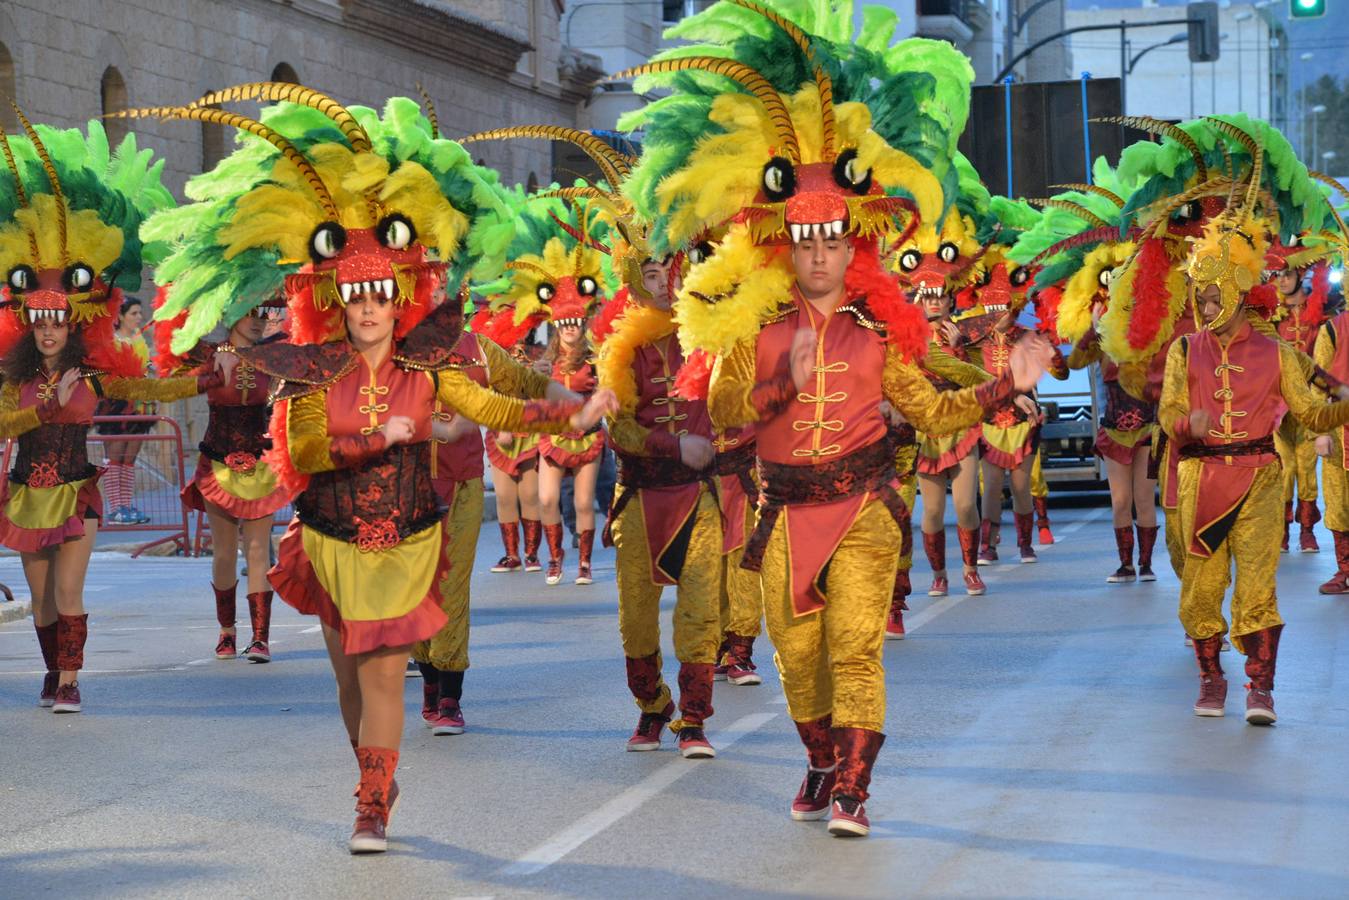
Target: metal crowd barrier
201 542
159 478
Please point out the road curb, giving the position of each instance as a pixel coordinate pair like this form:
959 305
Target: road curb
19 609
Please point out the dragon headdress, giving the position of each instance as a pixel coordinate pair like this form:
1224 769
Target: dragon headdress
71 208
782 124
322 201
1199 171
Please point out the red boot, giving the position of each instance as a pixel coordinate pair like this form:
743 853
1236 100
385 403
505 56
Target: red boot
894 622
647 687
969 558
510 539
1262 651
814 796
1212 684
375 799
856 750
935 547
585 546
1124 545
1147 538
226 647
1042 519
1307 516
533 529
695 708
46 641
1339 582
988 543
553 534
260 612
71 634
1025 524
740 668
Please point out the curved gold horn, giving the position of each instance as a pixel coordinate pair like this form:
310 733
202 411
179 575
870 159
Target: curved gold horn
275 91
823 83
751 80
1093 189
51 177
252 126
430 111
1069 206
1158 126
611 162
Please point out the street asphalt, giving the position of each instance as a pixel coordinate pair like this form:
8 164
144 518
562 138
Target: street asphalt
1041 743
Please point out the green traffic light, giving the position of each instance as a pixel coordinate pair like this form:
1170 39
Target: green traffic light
1306 9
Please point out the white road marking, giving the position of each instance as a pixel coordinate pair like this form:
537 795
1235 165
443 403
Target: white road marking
312 629
593 823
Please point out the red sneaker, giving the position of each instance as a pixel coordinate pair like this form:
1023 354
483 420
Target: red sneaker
532 564
449 718
742 672
894 623
649 726
258 652
939 586
1259 706
554 575
812 800
583 575
49 684
848 818
1212 696
693 743
507 564
1046 536
1306 542
719 672
67 699
368 835
226 647
974 584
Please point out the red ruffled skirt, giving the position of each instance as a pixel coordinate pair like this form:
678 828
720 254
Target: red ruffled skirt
572 451
940 454
34 518
375 598
244 495
517 457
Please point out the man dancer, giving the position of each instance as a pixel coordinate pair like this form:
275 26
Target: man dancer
665 523
1224 390
828 538
1297 322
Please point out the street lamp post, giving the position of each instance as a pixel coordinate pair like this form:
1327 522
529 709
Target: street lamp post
1302 104
1241 70
1316 118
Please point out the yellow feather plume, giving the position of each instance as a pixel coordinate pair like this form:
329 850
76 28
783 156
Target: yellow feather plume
635 328
724 299
1080 292
88 240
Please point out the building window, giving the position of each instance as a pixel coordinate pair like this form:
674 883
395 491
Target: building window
112 90
285 73
213 138
7 117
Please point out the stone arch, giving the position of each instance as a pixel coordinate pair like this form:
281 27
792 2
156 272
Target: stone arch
113 98
7 89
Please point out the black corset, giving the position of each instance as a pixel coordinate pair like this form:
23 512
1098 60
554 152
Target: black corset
377 503
236 429
52 454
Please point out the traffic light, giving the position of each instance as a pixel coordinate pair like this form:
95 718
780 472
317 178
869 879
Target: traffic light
1306 9
1203 29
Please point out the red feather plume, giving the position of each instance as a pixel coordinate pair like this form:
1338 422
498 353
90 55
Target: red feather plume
1151 298
694 376
1316 300
1263 299
279 456
12 327
905 324
603 323
166 361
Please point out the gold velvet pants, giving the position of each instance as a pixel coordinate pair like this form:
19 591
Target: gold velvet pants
448 649
1038 486
830 660
1335 484
1252 546
741 594
697 625
1171 529
1297 451
908 492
